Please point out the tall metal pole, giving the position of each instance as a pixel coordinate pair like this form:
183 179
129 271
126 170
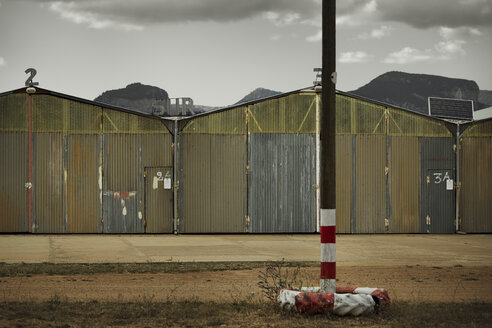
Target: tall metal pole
327 136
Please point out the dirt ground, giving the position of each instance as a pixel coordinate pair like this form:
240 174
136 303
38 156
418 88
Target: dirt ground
405 283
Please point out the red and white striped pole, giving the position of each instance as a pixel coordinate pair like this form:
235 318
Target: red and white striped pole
328 150
328 251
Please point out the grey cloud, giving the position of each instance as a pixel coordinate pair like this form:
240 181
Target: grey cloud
172 11
433 13
418 13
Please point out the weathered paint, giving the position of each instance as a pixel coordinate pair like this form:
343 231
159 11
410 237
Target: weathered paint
290 114
476 184
121 175
213 182
282 183
404 173
14 113
437 203
13 177
227 122
357 116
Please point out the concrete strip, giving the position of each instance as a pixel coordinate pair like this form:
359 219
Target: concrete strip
352 250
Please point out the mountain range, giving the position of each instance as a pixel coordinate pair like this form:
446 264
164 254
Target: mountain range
400 89
411 91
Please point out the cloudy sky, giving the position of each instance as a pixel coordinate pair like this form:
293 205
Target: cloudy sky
217 51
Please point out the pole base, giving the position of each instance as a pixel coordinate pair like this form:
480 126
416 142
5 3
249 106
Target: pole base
353 301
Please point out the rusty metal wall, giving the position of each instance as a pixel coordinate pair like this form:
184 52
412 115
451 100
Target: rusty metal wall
282 183
48 183
213 183
476 184
370 184
404 173
345 179
13 176
121 184
83 203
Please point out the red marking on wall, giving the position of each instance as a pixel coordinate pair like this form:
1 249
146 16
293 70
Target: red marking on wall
124 195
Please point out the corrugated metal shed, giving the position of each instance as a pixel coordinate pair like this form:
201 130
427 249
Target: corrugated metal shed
86 158
248 168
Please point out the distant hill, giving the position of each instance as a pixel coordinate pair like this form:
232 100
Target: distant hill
411 90
135 96
485 97
258 93
145 98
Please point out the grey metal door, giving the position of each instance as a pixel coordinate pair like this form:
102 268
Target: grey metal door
282 183
440 201
158 215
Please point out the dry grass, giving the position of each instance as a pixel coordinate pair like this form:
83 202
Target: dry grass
234 309
29 269
148 313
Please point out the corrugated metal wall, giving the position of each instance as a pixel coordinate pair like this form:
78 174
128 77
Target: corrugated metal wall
156 151
158 201
404 172
213 183
13 176
345 173
13 163
384 156
476 178
370 180
282 184
47 183
83 208
121 184
378 166
70 139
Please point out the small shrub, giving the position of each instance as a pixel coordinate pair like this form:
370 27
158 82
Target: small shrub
277 276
